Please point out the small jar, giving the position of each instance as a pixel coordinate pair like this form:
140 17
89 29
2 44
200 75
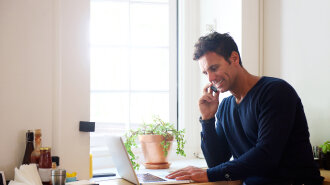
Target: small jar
58 177
45 165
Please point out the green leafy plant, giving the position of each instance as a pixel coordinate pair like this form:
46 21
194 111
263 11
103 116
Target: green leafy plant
325 147
158 127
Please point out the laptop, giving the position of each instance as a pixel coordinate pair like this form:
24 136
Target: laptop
125 168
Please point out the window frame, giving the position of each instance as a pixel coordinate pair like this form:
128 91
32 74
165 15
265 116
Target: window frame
97 143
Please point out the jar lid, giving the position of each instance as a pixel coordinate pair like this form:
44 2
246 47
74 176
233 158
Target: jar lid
59 172
45 148
37 132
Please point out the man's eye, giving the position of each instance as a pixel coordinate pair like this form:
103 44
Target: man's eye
213 69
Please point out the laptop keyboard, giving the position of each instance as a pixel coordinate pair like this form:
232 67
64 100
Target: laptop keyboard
147 177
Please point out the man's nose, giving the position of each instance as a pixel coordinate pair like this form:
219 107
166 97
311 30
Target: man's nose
211 77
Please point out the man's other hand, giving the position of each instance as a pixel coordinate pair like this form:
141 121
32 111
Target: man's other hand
190 173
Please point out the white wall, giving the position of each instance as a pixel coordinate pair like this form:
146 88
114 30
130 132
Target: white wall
189 77
43 60
296 40
72 85
252 36
26 61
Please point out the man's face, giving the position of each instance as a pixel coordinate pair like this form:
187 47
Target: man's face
219 72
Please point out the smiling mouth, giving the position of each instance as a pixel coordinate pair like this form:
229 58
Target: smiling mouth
218 84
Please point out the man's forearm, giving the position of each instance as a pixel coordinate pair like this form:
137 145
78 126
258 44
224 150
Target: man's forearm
214 147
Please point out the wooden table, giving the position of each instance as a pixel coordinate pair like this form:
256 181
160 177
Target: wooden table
324 173
124 182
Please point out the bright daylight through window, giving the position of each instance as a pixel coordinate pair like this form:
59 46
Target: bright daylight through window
133 67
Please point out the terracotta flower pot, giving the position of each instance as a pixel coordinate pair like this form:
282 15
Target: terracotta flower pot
152 149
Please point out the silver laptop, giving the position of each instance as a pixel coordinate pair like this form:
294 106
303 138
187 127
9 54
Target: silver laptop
125 168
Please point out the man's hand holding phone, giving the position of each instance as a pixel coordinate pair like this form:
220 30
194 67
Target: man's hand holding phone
208 103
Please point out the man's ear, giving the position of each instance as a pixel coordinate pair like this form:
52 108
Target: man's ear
234 57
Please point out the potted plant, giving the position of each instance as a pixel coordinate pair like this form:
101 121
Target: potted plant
326 151
156 140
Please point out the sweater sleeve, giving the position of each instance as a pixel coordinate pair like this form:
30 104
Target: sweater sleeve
217 152
275 122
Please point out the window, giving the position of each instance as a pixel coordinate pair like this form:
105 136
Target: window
133 67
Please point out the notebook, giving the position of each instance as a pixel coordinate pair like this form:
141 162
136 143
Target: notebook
125 168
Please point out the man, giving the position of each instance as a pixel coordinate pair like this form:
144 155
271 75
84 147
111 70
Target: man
262 125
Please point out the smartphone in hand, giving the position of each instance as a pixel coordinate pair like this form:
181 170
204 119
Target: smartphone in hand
214 89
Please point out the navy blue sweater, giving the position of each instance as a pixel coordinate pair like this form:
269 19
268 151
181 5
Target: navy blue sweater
267 135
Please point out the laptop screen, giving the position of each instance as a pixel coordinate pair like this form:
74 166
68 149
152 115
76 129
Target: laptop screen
121 159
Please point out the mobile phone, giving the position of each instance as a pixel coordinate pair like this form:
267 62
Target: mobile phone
214 89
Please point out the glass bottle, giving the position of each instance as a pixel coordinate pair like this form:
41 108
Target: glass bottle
45 165
29 147
35 155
